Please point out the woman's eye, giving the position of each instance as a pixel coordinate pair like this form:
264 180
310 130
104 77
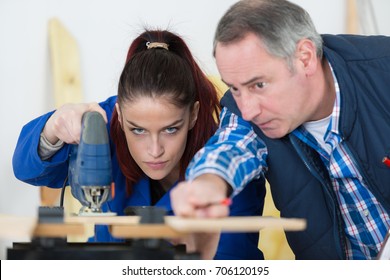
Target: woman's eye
138 131
171 130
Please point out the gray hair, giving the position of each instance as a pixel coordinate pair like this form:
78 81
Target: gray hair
279 24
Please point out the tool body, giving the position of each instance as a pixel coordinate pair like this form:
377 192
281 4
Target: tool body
90 170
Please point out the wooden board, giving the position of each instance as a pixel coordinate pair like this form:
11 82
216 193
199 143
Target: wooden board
177 226
231 224
128 226
65 64
103 220
58 230
66 76
145 231
16 228
352 24
234 224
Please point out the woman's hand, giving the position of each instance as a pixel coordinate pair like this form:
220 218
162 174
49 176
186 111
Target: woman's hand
65 123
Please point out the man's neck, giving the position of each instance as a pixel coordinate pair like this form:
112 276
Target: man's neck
324 85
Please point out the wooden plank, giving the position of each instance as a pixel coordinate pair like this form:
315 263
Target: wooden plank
66 76
144 231
352 24
58 230
15 227
103 220
128 226
177 226
234 224
65 63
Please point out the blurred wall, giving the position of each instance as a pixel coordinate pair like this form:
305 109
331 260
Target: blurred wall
104 30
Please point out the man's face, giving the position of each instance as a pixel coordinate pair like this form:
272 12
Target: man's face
266 91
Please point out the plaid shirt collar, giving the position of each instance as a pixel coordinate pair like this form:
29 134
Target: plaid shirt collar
332 135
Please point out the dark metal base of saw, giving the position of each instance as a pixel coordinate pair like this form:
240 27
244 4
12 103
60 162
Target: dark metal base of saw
61 250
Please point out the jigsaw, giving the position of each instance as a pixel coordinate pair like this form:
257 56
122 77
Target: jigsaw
90 171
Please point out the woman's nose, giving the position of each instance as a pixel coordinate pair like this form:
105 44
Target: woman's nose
155 148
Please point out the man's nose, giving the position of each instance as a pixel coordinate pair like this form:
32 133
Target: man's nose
249 107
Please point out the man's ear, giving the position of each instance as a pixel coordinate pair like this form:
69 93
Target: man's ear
118 110
306 54
194 114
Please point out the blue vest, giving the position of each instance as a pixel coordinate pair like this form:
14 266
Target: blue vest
299 181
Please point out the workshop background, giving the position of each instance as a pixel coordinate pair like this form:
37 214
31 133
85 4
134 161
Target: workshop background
104 30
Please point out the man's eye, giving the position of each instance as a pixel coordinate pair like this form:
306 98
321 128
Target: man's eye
171 130
260 85
138 131
234 90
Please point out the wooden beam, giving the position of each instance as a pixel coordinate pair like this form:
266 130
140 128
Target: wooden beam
144 231
352 23
234 224
129 226
103 220
66 76
65 63
58 230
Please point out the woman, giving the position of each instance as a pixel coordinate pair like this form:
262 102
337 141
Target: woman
165 111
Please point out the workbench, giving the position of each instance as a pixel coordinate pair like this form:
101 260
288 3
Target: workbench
143 240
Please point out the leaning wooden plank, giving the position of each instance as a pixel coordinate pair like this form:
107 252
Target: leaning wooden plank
65 63
352 23
66 77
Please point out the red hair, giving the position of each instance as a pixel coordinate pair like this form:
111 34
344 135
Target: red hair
171 73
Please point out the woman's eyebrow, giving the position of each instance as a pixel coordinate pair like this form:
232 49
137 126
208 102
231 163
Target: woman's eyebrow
177 122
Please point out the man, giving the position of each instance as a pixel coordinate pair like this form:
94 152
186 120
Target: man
311 113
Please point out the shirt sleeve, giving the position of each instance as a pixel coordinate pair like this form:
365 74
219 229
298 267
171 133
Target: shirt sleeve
27 164
234 152
46 149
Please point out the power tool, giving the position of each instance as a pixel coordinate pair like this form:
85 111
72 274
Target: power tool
90 170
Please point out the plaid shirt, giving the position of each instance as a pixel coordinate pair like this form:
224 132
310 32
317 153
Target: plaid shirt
236 154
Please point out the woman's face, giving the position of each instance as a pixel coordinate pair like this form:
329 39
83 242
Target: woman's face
156 132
